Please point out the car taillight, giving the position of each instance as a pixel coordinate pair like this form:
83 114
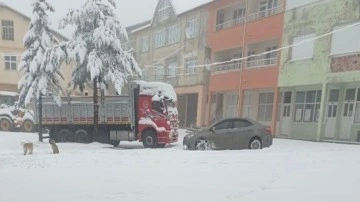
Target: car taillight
268 130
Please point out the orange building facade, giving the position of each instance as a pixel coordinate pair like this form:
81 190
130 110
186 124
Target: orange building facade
243 36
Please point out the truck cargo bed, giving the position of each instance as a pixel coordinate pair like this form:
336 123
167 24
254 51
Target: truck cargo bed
80 111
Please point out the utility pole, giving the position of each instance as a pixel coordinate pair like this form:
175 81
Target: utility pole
95 135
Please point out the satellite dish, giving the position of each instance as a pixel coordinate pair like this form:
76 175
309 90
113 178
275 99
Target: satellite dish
208 64
188 33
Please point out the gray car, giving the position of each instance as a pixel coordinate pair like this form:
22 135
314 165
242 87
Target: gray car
232 133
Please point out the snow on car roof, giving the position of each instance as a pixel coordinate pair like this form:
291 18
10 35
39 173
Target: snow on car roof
151 88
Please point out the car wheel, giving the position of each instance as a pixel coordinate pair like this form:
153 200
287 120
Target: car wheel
115 143
5 125
255 143
202 145
27 126
149 139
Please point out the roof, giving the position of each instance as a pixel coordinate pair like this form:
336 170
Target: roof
58 34
180 7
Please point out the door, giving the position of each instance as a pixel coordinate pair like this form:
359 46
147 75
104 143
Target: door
221 133
192 105
285 114
348 114
331 114
240 134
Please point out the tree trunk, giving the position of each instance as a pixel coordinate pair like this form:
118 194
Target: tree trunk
95 136
40 119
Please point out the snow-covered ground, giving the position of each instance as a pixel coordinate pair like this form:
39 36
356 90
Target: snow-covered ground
288 171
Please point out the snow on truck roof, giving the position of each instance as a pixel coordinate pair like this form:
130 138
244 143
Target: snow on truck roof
7 93
151 88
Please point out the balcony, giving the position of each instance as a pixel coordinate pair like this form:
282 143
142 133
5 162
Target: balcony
224 58
260 62
227 66
262 54
231 22
264 14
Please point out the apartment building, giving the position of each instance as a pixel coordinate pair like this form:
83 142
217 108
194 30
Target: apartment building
248 29
319 76
170 47
14 25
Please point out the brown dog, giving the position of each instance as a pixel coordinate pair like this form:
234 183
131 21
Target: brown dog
28 147
54 146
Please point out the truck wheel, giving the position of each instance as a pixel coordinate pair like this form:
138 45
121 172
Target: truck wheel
115 143
5 124
27 126
149 139
82 136
65 135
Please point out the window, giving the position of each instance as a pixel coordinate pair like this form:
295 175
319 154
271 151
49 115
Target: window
223 125
238 16
164 10
173 34
272 4
220 19
7 27
160 38
349 102
192 28
190 65
304 50
345 40
242 123
265 106
159 72
231 106
247 104
145 44
172 70
10 62
307 107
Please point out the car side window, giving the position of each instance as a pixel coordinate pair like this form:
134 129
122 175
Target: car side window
223 125
242 123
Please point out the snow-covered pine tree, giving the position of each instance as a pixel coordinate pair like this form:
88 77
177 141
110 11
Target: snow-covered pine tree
96 46
38 78
97 50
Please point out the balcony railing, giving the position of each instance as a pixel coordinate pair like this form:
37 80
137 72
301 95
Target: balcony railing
250 18
261 62
227 66
265 13
230 23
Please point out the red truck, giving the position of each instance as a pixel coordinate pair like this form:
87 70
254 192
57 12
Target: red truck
148 114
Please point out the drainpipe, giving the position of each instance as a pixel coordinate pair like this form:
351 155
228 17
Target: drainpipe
241 94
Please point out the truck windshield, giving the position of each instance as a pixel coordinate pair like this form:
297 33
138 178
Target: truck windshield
158 106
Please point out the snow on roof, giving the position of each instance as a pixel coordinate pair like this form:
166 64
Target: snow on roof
7 93
182 6
151 88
